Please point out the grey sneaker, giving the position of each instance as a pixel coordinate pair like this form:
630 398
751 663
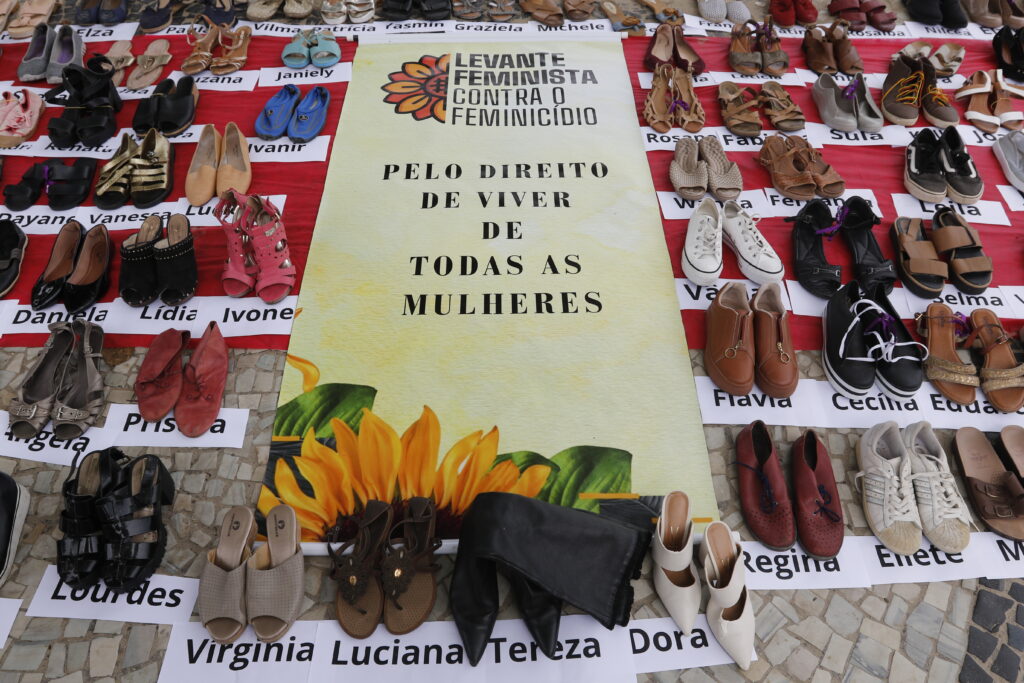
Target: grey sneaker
1009 150
934 103
835 106
887 491
904 84
922 172
944 517
964 184
65 51
33 64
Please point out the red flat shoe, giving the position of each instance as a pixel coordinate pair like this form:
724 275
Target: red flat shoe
158 384
764 499
806 12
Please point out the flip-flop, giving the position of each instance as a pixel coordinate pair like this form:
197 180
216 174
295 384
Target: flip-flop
121 57
149 65
665 13
622 21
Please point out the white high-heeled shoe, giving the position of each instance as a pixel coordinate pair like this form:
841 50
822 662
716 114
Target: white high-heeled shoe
729 612
675 572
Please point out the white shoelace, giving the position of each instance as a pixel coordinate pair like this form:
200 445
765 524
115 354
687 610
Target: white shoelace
707 241
748 226
885 344
894 493
938 487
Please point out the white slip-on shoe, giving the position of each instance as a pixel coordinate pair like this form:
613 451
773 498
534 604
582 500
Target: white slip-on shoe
887 491
675 572
729 612
702 250
756 258
943 511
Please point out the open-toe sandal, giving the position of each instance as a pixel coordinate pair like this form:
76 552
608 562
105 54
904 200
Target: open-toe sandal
80 402
878 16
21 195
970 268
947 59
240 270
359 602
469 10
274 577
665 13
30 409
221 600
977 90
789 179
847 59
269 245
579 10
686 109
850 12
857 221
236 51
739 112
262 10
28 15
779 107
689 175
996 494
546 12
150 64
1002 377
622 21
830 183
943 331
813 271
501 10
921 270
152 179
819 52
725 181
69 186
774 60
744 55
113 188
435 10
121 57
396 10
201 56
658 105
407 569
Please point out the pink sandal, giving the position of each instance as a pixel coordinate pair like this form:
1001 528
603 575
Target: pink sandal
240 270
270 247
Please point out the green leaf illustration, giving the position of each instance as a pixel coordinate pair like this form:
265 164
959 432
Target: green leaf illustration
587 469
314 409
525 459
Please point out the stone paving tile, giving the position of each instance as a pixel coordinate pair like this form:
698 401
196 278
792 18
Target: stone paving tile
994 641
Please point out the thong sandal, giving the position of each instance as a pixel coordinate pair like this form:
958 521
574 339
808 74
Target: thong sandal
943 330
407 571
921 270
1002 378
665 13
878 16
546 12
970 268
222 584
579 10
359 602
780 108
150 64
828 181
740 114
274 577
121 57
789 179
947 59
850 11
620 20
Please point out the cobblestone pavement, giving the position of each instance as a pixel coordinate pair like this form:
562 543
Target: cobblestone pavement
902 632
995 637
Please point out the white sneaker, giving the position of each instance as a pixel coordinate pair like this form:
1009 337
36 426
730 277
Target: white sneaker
729 612
887 491
702 251
944 516
756 258
675 572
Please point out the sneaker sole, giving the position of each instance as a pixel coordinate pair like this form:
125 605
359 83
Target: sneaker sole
831 375
1015 180
761 277
891 391
919 192
963 198
20 511
891 118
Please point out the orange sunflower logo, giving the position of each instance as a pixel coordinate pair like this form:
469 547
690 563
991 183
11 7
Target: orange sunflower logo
420 88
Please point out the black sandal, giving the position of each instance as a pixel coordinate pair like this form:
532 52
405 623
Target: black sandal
90 107
436 10
68 186
178 108
149 108
870 267
175 258
396 10
132 519
813 271
80 552
20 196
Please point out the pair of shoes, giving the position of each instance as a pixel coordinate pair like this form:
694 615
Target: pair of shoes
77 269
320 49
989 105
20 112
171 108
949 13
29 15
946 60
921 270
865 341
362 11
994 477
672 101
90 106
64 384
284 113
121 57
830 50
621 21
859 13
258 256
240 586
106 12
774 519
153 265
149 65
113 520
849 108
741 116
234 49
797 169
750 343
757 50
719 11
156 16
854 220
1008 45
13 243
49 52
387 577
195 393
706 231
701 166
219 12
911 88
730 613
219 165
66 186
937 166
140 173
14 502
669 46
907 487
786 13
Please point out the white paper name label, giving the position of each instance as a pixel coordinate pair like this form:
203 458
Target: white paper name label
780 206
984 211
674 207
159 600
694 297
768 569
239 81
284 150
659 645
8 613
282 75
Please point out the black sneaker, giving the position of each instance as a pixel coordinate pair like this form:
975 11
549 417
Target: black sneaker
898 358
849 368
922 172
964 185
13 507
813 271
870 266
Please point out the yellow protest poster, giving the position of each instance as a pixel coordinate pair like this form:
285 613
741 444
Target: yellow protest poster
488 303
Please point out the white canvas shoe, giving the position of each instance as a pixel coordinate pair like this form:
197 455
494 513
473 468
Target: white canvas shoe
944 517
887 491
756 258
675 572
729 612
702 250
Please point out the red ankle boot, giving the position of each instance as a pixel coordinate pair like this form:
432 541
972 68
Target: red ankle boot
158 384
202 390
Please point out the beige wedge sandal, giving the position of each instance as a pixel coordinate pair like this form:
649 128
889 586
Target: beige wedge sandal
221 601
274 577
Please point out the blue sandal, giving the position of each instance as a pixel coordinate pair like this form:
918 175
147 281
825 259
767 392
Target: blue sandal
296 53
273 121
325 52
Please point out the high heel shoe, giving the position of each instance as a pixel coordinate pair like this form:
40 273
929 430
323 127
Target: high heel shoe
240 268
82 400
88 281
870 266
202 48
675 572
729 612
91 105
138 280
30 410
236 52
175 259
270 249
50 284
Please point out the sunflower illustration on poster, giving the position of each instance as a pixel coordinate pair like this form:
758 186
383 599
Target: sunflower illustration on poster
420 88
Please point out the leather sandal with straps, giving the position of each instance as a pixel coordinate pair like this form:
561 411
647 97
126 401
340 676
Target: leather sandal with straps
744 55
579 10
236 51
113 188
276 275
240 268
978 91
779 107
686 109
850 12
828 181
31 408
546 12
1002 378
789 179
202 48
657 105
943 330
152 179
996 494
407 570
774 60
921 270
738 112
970 267
359 602
81 403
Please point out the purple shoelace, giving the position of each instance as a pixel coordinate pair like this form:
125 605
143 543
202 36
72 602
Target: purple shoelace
831 230
678 104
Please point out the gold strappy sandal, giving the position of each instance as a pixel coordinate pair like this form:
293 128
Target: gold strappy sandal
202 48
236 54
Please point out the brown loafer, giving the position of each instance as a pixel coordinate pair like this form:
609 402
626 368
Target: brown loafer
729 352
776 371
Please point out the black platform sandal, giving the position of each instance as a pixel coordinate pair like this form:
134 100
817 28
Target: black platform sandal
90 107
69 186
870 267
133 524
396 10
178 109
149 109
813 271
436 10
20 196
80 552
175 259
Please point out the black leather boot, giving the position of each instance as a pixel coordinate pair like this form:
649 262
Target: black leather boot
551 554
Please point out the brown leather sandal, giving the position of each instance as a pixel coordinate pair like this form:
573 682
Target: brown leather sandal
665 13
686 109
359 602
546 12
847 58
657 107
744 55
740 114
970 268
579 10
202 48
828 181
790 179
996 494
942 330
921 270
407 571
1002 379
819 53
780 108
